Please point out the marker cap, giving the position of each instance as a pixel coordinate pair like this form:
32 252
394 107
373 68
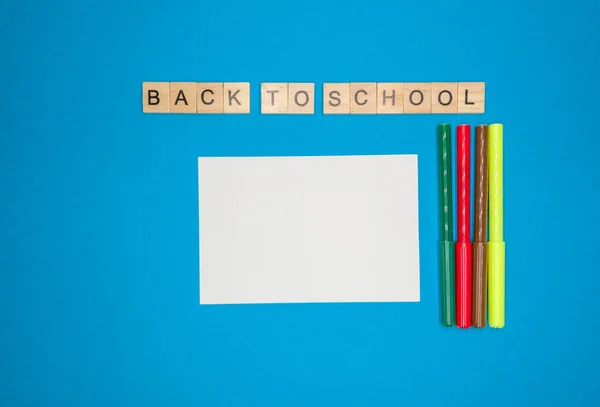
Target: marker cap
463 284
496 283
447 290
479 284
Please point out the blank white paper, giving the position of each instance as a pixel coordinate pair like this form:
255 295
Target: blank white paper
308 229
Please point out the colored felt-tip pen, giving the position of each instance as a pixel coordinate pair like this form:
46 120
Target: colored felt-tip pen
496 251
446 246
463 244
480 227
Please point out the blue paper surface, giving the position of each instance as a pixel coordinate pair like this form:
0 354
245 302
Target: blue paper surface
99 206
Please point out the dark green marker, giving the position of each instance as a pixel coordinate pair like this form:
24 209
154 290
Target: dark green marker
447 287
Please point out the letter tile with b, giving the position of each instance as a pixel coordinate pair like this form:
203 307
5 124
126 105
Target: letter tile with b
155 97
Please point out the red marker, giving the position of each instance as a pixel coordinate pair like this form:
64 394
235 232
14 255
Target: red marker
463 243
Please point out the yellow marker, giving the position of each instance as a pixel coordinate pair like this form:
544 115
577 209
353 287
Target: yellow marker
496 243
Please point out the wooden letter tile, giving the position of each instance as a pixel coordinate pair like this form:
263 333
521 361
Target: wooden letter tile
209 97
471 97
390 98
301 98
236 97
155 97
444 97
274 98
363 98
336 98
182 97
417 98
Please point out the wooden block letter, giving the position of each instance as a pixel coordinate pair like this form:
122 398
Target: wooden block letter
390 98
444 97
363 98
274 98
236 97
209 97
301 98
417 98
182 96
471 97
155 97
336 98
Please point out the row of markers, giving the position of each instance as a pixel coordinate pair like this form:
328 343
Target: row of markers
472 271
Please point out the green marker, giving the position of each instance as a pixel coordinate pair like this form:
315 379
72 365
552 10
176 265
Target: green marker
447 287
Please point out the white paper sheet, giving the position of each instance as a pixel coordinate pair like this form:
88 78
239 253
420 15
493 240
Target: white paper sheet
309 229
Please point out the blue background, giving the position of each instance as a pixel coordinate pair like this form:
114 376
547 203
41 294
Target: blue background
99 208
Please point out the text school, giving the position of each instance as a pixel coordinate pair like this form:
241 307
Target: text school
299 98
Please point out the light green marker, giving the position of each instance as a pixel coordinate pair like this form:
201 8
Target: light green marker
496 251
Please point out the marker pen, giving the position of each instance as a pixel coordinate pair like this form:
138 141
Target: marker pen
496 251
480 227
463 244
446 246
